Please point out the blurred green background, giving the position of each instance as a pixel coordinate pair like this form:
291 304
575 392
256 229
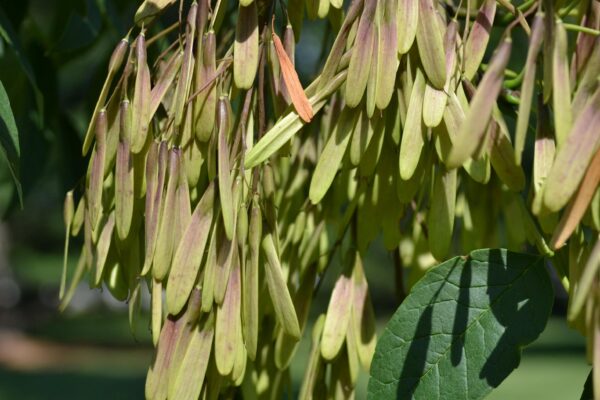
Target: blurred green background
53 57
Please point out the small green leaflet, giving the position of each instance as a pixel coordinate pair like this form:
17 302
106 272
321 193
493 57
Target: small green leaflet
9 138
459 333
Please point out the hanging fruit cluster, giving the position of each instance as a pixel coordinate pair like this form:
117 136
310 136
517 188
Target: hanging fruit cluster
217 180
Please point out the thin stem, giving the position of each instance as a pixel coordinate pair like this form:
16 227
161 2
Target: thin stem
260 104
520 16
567 10
165 52
458 9
240 134
214 16
464 38
522 21
162 33
222 68
509 73
510 97
338 243
516 81
582 29
262 124
521 7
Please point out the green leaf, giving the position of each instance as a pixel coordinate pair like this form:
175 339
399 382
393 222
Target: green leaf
460 331
10 37
9 139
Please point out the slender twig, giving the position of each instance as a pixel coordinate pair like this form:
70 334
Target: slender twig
165 52
260 105
240 134
516 81
162 33
521 7
214 16
567 10
464 40
582 29
520 17
332 252
262 125
222 68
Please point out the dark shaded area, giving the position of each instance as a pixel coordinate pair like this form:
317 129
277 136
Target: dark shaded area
413 370
588 387
462 315
516 316
500 362
53 385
